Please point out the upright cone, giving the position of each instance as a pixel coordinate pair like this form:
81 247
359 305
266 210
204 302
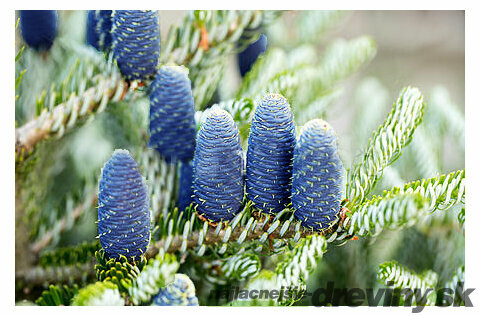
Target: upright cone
317 176
218 168
270 155
123 208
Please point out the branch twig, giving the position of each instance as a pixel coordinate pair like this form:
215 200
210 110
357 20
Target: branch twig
47 238
63 116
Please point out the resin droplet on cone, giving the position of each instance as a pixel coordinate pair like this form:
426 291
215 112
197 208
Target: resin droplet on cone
270 155
218 168
136 42
172 114
123 208
317 176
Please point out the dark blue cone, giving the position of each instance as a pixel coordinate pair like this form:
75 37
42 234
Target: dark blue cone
270 155
99 29
247 58
218 168
39 28
317 176
104 29
172 114
123 208
92 33
136 42
185 192
181 292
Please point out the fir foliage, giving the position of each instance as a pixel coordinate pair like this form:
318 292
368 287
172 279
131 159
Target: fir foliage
157 247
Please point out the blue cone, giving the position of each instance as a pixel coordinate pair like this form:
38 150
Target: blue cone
136 43
39 28
92 33
317 176
247 58
123 208
181 292
185 192
270 155
104 28
218 168
172 114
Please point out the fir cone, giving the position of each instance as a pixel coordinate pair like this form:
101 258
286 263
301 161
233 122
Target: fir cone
181 292
104 29
39 28
218 168
247 58
92 33
123 208
270 155
317 176
99 29
172 114
136 42
185 192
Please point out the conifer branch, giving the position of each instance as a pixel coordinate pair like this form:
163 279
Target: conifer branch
391 212
456 284
441 192
61 118
386 144
63 224
157 274
56 274
296 268
403 278
179 235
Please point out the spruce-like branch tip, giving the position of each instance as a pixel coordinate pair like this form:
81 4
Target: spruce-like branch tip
172 114
249 56
398 276
39 28
218 168
181 292
386 144
270 155
136 42
123 208
317 176
185 192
